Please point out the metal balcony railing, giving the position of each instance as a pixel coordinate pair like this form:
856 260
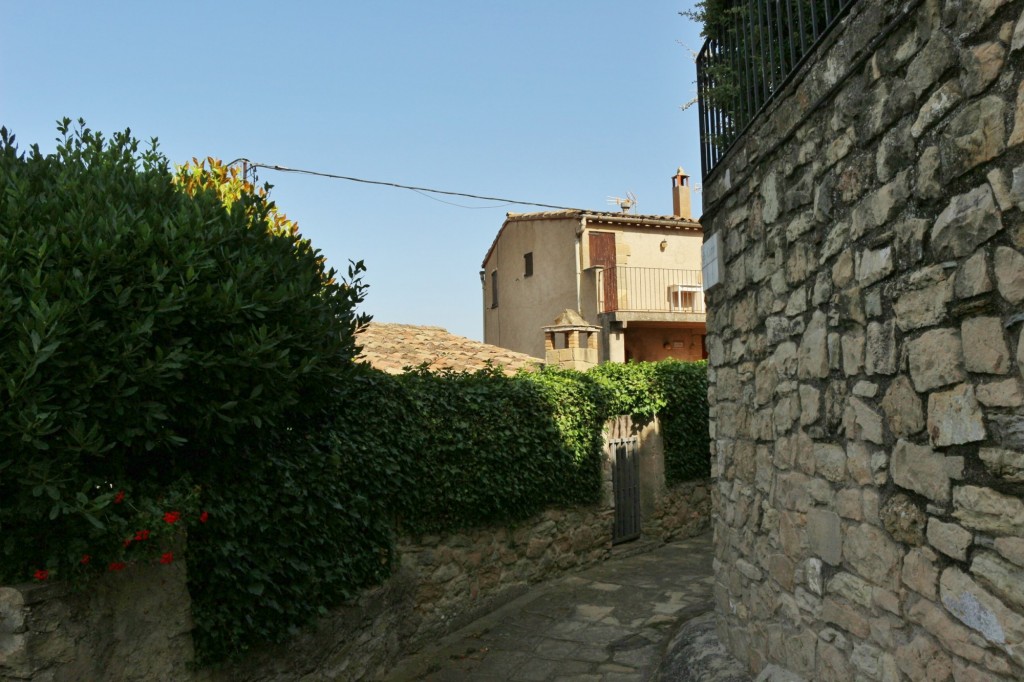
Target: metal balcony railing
628 289
753 48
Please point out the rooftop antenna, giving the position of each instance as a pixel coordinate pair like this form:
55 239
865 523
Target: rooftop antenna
625 204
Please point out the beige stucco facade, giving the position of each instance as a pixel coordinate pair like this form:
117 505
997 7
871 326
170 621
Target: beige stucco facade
635 276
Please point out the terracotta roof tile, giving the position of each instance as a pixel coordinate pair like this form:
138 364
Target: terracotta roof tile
394 347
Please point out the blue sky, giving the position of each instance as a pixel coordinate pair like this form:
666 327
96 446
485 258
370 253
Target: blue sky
561 102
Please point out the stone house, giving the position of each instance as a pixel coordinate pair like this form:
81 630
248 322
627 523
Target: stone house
635 277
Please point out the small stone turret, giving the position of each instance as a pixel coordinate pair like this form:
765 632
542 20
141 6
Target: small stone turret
571 342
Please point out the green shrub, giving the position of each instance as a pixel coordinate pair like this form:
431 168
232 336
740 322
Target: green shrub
152 342
684 419
631 389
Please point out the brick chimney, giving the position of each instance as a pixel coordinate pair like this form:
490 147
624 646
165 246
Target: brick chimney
681 194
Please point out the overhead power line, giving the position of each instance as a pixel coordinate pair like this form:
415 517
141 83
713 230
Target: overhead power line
420 190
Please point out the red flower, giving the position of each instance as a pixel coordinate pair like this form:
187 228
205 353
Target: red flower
127 541
204 517
167 557
41 575
116 566
86 558
119 497
141 535
172 516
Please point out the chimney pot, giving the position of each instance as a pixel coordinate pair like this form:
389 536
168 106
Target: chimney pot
681 194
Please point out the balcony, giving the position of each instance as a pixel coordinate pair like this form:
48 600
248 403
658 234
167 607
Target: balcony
650 294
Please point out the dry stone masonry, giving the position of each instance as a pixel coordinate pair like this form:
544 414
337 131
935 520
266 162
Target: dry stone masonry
867 348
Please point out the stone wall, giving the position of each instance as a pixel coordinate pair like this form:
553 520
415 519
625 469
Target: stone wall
135 626
866 351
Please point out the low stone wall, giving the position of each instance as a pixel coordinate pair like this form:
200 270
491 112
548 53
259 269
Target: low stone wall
135 625
866 354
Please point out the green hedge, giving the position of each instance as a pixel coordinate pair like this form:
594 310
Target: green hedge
684 419
162 354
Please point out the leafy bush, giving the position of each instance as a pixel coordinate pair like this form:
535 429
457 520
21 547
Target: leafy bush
684 419
150 337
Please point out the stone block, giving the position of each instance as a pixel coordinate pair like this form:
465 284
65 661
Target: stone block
927 185
940 103
862 422
1011 548
919 468
781 569
954 636
878 207
810 404
1006 464
865 389
849 504
903 409
831 461
982 612
975 135
1005 579
853 352
920 572
924 306
872 555
1017 134
873 265
793 533
936 359
824 535
929 64
922 659
846 616
949 538
954 417
972 278
969 220
851 588
984 337
1009 269
842 270
982 64
858 462
812 357
1006 393
988 511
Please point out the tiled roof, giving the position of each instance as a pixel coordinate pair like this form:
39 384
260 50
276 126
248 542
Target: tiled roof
394 347
661 222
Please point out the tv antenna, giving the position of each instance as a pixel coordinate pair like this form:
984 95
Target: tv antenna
626 204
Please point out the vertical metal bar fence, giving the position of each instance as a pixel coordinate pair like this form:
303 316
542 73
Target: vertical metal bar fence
750 53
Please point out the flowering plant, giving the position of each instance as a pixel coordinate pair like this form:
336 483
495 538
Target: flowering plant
123 528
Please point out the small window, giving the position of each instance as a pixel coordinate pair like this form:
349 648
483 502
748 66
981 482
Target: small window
494 288
528 264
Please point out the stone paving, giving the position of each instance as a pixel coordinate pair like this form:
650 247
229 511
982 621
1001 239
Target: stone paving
609 623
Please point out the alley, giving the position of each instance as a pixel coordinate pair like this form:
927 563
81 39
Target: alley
608 623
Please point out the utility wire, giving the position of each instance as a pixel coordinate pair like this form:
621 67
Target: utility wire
420 190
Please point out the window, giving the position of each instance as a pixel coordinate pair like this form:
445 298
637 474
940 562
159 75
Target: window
494 288
528 264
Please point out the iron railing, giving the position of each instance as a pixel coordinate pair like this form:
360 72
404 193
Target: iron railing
753 49
629 289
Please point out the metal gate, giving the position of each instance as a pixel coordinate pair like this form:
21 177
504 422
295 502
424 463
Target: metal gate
626 489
